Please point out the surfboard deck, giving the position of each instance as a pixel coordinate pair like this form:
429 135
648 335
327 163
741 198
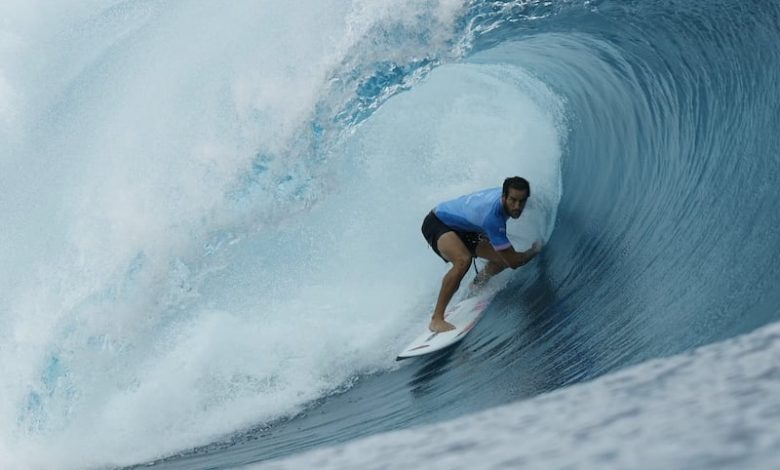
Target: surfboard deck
463 315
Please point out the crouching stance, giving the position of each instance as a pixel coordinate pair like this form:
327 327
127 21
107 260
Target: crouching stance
472 226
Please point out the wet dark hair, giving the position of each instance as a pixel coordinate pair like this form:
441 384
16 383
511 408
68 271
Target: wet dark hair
516 182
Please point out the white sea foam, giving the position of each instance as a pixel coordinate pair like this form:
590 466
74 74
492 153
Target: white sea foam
160 292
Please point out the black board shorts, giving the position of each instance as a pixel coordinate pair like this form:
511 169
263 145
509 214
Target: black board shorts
433 228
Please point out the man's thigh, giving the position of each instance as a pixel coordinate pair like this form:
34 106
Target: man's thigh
452 248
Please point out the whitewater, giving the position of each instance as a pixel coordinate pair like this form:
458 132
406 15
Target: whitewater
210 241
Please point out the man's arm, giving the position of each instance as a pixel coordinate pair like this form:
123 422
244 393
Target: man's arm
515 259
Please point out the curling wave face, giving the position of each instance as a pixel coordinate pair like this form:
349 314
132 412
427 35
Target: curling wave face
214 211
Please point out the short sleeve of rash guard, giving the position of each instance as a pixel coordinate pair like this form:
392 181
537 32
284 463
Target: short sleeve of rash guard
496 232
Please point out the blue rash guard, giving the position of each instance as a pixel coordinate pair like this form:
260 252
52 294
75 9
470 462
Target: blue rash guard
480 212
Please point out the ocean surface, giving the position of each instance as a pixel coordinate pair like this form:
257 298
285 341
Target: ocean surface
210 250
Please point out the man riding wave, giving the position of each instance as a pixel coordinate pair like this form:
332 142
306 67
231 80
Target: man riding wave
473 226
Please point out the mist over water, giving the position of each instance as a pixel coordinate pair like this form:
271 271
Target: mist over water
198 232
211 211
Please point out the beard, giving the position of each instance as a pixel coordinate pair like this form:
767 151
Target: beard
513 214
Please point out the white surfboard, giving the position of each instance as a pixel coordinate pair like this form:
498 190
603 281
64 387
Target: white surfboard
462 315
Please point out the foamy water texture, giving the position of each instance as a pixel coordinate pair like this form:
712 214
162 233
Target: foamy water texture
194 248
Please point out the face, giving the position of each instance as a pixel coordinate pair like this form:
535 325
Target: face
514 202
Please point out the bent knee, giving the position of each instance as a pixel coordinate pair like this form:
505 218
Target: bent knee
462 263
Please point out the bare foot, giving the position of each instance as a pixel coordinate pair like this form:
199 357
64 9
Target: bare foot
440 326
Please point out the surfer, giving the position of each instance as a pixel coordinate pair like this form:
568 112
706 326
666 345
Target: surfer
473 226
